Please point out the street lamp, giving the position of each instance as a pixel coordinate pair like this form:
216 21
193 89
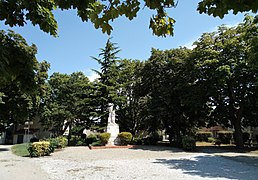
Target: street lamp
28 124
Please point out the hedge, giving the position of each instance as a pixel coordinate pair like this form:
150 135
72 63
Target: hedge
125 138
188 143
203 136
41 148
104 137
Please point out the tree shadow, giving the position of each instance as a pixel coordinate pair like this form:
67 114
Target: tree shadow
249 160
208 166
2 148
224 149
156 148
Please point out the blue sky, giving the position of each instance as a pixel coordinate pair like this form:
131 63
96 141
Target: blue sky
78 40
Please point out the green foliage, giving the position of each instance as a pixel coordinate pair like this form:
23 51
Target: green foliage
173 100
125 138
58 142
21 149
77 141
211 140
91 139
227 75
100 13
246 137
63 142
96 143
1 97
18 66
20 81
221 8
188 143
153 138
108 85
67 103
131 110
41 148
203 136
137 141
104 137
225 137
77 130
217 142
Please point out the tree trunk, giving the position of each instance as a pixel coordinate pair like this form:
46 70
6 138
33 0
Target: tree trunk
238 134
236 116
69 134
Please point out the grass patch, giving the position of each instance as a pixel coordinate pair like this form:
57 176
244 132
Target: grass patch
21 150
199 143
256 151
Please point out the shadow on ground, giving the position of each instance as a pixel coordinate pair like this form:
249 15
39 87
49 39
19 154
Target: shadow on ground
208 166
156 148
224 149
249 160
4 149
216 149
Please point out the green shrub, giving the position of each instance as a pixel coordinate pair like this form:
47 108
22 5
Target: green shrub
96 143
53 144
203 136
91 139
246 136
157 135
58 142
62 141
80 143
225 136
41 148
217 142
137 141
188 143
211 140
153 138
125 138
77 141
104 137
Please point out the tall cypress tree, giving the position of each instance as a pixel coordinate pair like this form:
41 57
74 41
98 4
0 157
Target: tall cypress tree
107 86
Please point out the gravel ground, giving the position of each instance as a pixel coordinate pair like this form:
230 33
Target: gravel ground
76 163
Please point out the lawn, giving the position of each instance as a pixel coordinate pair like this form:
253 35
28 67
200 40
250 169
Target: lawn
256 151
198 143
21 150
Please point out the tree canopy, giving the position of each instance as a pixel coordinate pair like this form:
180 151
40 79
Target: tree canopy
67 102
21 78
18 60
224 62
221 8
102 13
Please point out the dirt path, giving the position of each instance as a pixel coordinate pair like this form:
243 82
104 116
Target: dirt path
145 162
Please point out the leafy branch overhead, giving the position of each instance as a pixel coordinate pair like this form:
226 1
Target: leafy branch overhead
220 8
102 12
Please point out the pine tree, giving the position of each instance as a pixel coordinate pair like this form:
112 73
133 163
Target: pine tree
107 86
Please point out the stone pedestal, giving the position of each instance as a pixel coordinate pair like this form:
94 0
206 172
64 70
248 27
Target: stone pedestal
113 129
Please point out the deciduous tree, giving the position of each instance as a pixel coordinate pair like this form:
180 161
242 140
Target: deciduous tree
225 68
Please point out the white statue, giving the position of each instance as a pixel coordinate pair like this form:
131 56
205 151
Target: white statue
112 127
112 114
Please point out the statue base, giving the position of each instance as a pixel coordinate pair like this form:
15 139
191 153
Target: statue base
113 129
